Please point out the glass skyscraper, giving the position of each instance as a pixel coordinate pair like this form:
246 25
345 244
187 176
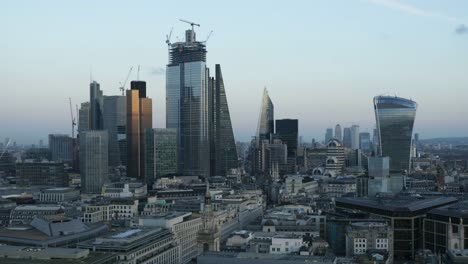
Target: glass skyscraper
197 108
61 147
288 131
160 153
115 117
96 106
395 119
187 104
266 120
93 160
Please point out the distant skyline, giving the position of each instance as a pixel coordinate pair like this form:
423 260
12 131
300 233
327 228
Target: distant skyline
321 61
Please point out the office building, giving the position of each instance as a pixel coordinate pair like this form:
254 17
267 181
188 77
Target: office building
188 104
61 147
93 160
355 137
369 237
335 158
114 121
160 153
223 146
347 137
43 173
139 118
446 229
266 125
84 117
364 141
328 135
95 106
139 245
287 130
338 132
406 215
395 119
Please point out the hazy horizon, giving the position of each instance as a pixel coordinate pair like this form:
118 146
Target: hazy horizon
321 61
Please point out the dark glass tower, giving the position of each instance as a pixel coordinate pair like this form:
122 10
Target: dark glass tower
115 120
266 126
188 104
139 118
395 119
288 131
225 151
96 106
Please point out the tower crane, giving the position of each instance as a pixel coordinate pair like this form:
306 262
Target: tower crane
122 86
6 147
208 37
193 30
168 38
72 118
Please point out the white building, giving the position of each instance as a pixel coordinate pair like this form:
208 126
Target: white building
286 244
107 210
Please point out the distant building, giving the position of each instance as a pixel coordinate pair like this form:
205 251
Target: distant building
84 117
364 141
395 119
160 153
338 133
286 244
105 210
96 106
266 125
139 118
288 131
335 158
44 173
355 137
114 121
93 160
347 137
57 195
61 147
328 135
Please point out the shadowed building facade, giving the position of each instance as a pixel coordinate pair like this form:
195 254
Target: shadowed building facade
288 131
395 119
93 160
115 119
139 118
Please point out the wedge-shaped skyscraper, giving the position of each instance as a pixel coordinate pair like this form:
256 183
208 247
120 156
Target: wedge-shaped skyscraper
395 119
225 152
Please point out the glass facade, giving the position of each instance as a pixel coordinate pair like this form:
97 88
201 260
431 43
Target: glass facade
96 106
266 125
115 117
225 155
83 117
288 131
395 119
61 147
93 160
161 153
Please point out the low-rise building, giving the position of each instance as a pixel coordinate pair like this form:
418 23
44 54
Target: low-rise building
366 237
103 210
286 244
24 214
124 190
57 195
142 245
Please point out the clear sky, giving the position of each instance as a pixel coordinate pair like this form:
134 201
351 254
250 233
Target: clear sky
322 61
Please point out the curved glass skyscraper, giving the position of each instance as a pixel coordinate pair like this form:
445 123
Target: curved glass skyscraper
266 121
395 119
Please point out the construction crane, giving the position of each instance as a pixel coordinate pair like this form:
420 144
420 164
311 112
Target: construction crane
122 86
168 38
209 35
77 119
72 118
193 30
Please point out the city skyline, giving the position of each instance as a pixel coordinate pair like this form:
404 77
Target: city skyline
56 61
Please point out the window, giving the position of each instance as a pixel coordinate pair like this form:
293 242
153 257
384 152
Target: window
454 229
360 245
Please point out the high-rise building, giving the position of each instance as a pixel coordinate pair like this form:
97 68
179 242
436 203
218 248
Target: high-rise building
114 121
338 134
223 146
288 131
139 118
395 119
84 116
96 106
266 125
93 160
328 135
355 137
160 153
41 173
335 158
364 141
61 147
188 104
347 137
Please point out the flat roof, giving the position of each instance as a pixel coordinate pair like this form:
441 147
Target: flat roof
459 209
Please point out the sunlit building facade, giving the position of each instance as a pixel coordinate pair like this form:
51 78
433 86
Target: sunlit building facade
395 119
266 125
